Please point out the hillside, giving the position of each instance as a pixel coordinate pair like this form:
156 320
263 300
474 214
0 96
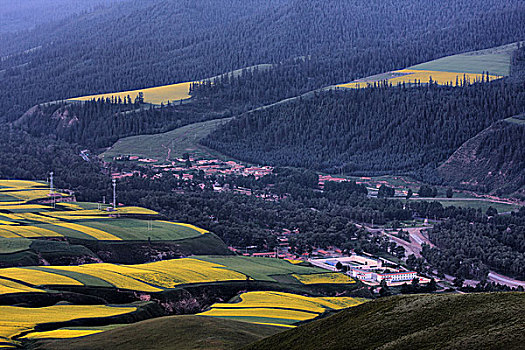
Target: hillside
28 14
491 161
175 332
170 145
448 321
138 44
368 132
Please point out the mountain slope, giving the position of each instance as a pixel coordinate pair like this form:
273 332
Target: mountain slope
493 160
175 332
138 43
447 321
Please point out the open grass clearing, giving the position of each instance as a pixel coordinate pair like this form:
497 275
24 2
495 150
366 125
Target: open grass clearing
173 143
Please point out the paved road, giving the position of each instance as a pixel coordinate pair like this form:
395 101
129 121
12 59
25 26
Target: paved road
501 279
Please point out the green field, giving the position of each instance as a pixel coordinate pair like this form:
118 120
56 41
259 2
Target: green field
439 321
173 332
13 245
495 61
261 269
134 229
179 141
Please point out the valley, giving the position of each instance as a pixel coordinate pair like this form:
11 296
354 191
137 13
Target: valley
262 175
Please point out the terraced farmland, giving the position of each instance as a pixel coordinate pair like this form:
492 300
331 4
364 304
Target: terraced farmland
161 275
278 308
25 219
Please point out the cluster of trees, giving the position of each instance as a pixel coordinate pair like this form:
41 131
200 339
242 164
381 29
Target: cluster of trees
99 123
427 191
139 44
369 131
470 249
33 158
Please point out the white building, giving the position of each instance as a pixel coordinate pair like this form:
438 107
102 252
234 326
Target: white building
392 277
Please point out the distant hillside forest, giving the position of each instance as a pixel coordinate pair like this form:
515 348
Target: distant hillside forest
369 131
137 44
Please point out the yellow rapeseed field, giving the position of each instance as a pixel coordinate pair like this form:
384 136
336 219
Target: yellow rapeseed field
261 312
93 232
22 206
69 205
154 95
151 277
20 184
101 213
62 334
423 76
14 320
38 278
30 194
322 278
201 230
107 272
10 287
295 262
284 308
28 231
5 233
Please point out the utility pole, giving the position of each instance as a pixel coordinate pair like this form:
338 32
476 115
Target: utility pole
52 189
115 194
51 183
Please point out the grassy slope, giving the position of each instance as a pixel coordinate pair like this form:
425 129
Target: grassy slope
180 141
175 332
495 61
447 321
260 269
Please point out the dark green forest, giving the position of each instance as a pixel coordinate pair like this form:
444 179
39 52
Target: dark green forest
369 131
139 44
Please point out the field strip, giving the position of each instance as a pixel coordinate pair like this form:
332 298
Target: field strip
198 229
93 232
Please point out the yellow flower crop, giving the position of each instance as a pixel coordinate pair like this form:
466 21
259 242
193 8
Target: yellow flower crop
5 233
295 262
10 287
30 231
14 320
93 232
261 312
70 205
38 278
413 76
22 207
322 278
154 95
62 334
285 308
151 277
20 184
104 272
201 230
